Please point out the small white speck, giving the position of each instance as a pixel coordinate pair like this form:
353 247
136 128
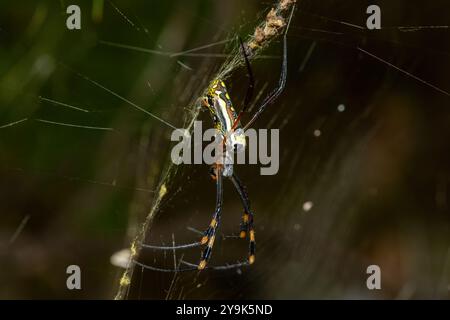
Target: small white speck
120 258
341 108
44 65
317 133
199 285
307 206
296 227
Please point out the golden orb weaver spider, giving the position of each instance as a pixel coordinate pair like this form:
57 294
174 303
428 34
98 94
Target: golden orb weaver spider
228 124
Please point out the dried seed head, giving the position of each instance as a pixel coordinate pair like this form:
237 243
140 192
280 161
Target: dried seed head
273 20
272 26
284 4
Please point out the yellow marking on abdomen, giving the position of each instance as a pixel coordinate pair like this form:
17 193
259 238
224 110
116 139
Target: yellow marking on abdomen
211 241
201 265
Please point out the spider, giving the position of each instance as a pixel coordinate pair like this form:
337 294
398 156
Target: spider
228 124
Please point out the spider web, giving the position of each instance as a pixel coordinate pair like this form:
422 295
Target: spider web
361 114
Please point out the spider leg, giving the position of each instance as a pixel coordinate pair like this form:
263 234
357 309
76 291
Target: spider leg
247 220
181 246
281 82
192 267
223 267
210 234
241 190
145 266
251 85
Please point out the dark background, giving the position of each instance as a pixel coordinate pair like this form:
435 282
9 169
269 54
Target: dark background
377 175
